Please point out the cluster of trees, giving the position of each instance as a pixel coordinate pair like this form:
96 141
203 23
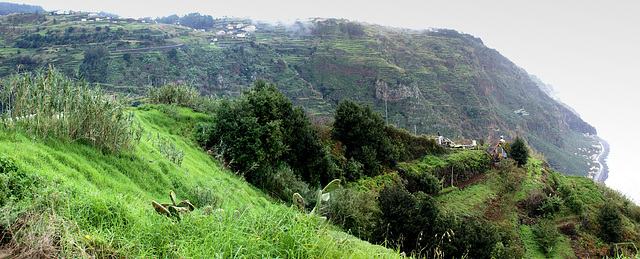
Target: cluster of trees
193 20
70 36
276 147
338 27
9 8
261 131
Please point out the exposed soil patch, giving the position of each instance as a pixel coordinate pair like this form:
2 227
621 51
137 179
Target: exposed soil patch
466 183
473 179
494 211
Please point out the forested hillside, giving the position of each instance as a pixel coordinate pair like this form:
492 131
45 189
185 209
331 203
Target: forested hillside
423 81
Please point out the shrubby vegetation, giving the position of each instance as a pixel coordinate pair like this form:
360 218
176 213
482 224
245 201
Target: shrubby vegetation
262 130
519 151
362 131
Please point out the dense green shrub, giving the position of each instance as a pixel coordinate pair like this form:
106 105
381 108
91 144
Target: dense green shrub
411 147
473 238
571 199
610 222
408 222
546 235
430 184
181 95
262 129
519 151
15 184
355 210
362 131
282 183
550 205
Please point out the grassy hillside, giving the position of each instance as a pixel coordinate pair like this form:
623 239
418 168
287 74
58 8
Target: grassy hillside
67 199
80 183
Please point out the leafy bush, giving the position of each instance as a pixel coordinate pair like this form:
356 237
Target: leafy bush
408 222
550 205
362 131
474 237
355 210
281 182
546 235
610 222
519 151
181 95
262 129
571 199
410 147
430 184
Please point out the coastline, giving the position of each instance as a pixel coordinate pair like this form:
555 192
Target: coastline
603 173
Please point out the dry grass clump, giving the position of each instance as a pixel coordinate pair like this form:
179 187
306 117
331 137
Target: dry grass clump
47 103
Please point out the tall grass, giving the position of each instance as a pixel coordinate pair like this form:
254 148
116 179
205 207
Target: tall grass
181 95
46 104
88 204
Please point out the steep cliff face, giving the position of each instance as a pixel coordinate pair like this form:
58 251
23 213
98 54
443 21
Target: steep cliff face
443 81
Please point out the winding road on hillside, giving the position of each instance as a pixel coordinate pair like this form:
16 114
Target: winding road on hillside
149 48
602 174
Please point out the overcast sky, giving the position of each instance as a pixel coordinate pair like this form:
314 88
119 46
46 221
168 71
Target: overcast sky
588 50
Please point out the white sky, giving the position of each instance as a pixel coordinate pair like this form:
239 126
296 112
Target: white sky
588 50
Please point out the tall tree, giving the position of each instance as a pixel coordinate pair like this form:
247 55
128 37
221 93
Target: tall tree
263 128
519 151
362 131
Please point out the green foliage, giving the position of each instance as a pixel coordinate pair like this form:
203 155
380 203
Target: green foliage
15 184
473 237
570 198
550 205
47 103
261 129
362 131
546 235
429 184
354 210
610 222
99 203
181 95
282 182
410 147
406 221
94 64
519 151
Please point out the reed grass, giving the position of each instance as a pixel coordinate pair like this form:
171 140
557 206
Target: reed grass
46 104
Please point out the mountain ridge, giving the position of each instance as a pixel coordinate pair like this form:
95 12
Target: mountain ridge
437 80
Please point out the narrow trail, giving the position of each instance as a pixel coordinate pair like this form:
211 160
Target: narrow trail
466 183
149 48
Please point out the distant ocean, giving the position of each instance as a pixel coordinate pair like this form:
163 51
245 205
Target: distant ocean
624 174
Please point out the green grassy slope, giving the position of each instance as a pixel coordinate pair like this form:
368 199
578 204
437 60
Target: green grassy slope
70 200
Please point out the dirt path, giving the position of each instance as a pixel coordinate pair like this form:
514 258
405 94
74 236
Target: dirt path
466 183
149 48
473 179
